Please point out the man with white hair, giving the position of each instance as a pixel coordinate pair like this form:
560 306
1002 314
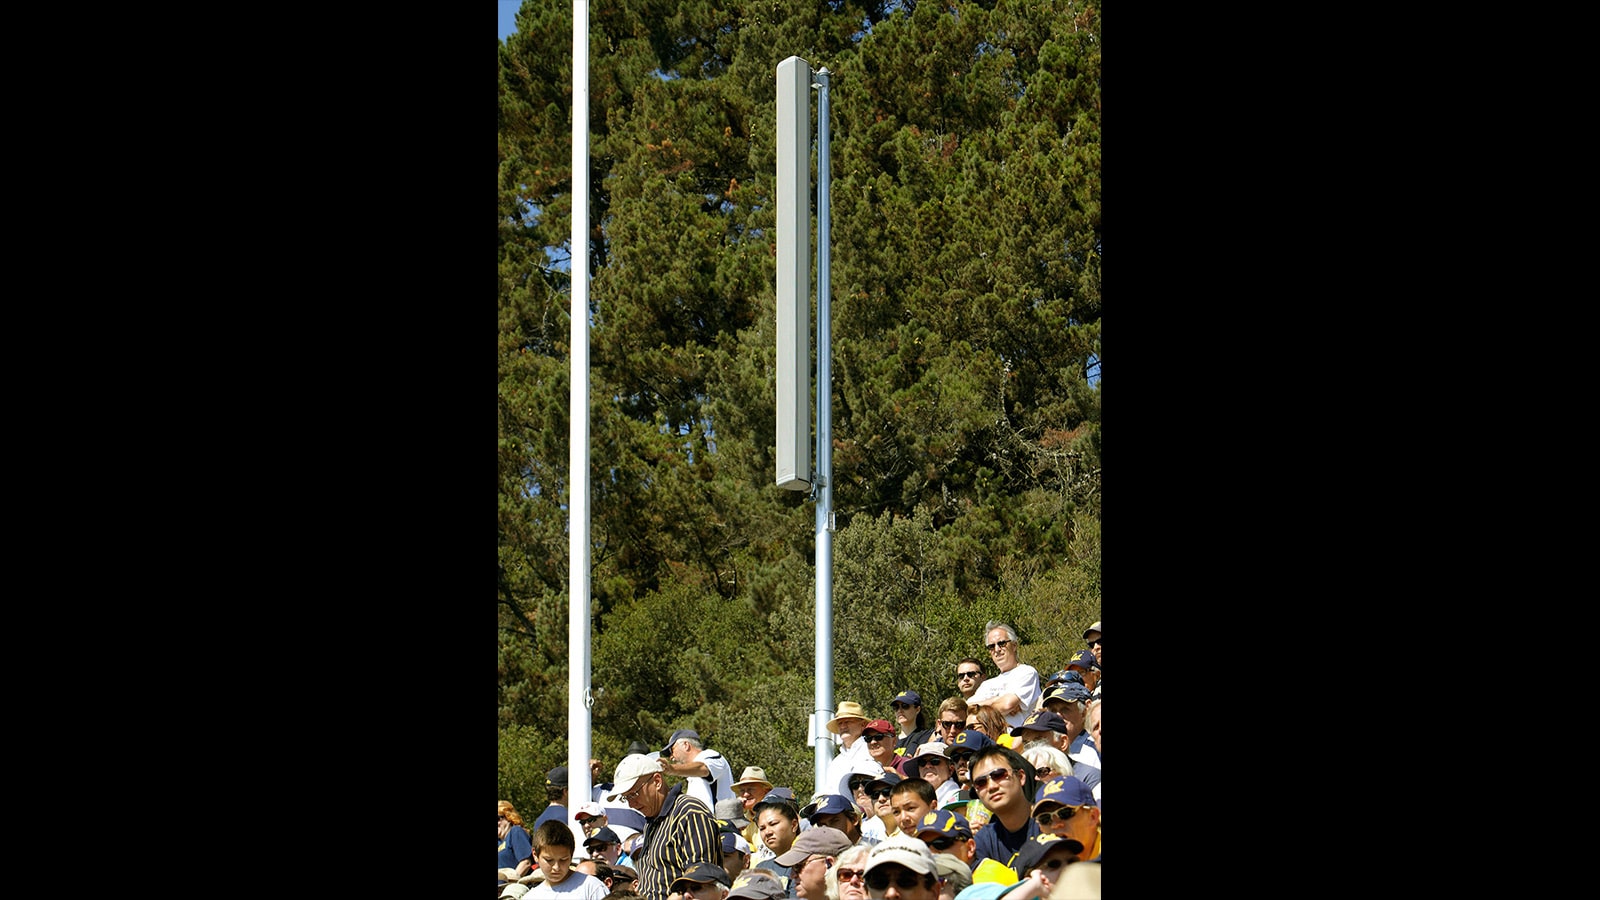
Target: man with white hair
1015 691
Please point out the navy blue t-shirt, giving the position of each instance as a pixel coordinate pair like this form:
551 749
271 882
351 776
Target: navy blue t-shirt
995 842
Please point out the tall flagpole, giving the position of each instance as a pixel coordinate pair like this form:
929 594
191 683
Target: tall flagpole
578 700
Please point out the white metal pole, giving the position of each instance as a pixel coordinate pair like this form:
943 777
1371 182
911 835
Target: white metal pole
824 440
578 787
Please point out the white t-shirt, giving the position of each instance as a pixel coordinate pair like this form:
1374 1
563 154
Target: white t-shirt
721 772
1022 680
576 886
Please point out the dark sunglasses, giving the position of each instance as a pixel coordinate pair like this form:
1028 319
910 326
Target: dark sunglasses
941 844
998 775
899 706
851 874
968 674
1062 815
879 880
946 723
880 794
997 645
874 738
1095 642
1054 864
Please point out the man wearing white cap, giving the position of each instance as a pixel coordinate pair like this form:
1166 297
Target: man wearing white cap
933 765
679 830
902 868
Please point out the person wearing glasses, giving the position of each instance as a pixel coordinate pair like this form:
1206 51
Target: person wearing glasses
1015 691
947 832
679 830
813 854
902 868
1046 857
1067 809
951 720
847 880
1002 779
879 737
969 675
913 729
933 765
1070 701
880 790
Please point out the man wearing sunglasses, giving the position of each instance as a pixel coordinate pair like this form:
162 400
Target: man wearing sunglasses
1015 691
1049 855
947 832
880 790
1068 809
969 675
880 740
902 868
1000 779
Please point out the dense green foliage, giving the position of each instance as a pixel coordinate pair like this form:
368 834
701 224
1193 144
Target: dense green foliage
965 292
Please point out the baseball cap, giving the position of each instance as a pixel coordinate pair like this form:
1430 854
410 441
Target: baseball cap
624 873
881 726
756 887
679 735
911 697
816 839
603 836
703 873
557 777
903 850
1092 629
953 869
732 841
1034 849
1083 660
827 805
631 769
779 793
1067 790
1041 720
968 743
945 822
586 810
887 779
1067 690
732 810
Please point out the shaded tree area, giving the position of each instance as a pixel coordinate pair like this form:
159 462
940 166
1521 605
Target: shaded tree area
965 295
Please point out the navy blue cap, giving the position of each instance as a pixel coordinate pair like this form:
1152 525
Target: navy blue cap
911 697
827 805
677 736
1041 720
1069 690
556 777
969 742
889 778
1033 851
777 794
1067 790
1084 660
945 822
705 873
603 836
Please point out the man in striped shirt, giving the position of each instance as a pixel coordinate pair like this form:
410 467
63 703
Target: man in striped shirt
679 829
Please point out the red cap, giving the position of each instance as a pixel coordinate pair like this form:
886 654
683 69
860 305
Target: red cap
879 725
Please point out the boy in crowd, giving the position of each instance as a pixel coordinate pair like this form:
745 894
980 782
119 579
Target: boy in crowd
553 844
